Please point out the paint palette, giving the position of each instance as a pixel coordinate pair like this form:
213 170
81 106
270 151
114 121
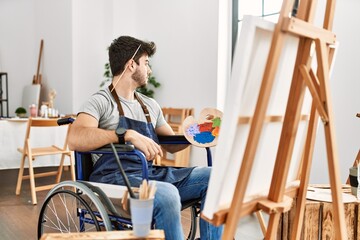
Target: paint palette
203 132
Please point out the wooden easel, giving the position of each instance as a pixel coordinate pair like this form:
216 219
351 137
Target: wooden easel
38 77
279 198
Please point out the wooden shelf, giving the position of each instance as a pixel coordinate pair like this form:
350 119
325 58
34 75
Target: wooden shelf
6 98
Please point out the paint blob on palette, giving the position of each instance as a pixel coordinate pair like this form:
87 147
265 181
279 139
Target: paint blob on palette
203 132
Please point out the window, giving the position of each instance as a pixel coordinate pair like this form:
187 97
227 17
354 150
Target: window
229 26
268 9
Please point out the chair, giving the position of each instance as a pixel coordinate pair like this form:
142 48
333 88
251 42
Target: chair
31 153
119 217
98 206
175 117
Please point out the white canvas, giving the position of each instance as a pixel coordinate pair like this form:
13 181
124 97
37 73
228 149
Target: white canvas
31 95
249 63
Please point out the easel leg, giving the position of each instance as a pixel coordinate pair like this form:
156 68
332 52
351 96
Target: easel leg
338 207
305 172
273 226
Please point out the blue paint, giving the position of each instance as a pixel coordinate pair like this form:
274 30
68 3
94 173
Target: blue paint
204 137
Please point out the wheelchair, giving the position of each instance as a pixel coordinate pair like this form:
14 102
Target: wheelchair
83 206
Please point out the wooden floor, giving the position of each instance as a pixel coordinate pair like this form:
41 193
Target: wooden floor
18 216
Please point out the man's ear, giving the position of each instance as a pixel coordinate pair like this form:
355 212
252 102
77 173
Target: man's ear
131 65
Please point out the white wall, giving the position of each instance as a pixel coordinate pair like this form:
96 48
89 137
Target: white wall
91 34
345 86
22 24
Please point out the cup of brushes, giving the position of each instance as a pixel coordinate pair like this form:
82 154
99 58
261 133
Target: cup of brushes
141 208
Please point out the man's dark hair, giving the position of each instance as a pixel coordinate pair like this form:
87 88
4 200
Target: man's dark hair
123 48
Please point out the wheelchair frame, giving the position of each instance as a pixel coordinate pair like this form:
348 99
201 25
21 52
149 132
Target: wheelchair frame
98 211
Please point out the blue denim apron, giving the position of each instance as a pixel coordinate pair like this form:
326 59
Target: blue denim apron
106 169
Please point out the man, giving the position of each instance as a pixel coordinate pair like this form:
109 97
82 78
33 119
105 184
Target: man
119 114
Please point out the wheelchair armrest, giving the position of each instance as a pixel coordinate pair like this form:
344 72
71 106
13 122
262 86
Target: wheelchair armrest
64 121
173 139
181 139
119 148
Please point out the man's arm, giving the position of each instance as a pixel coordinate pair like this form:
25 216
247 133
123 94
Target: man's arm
85 135
164 130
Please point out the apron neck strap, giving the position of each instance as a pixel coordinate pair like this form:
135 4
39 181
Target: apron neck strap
145 110
120 109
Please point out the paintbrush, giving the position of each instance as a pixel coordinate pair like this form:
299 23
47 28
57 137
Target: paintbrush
152 189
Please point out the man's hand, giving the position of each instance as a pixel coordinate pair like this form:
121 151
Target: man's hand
148 146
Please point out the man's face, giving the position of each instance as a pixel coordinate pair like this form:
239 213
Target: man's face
142 72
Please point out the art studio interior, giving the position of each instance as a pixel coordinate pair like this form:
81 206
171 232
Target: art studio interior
110 110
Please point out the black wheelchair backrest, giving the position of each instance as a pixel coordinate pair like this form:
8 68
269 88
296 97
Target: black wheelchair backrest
83 166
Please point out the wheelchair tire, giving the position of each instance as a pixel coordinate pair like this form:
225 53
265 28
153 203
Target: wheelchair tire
57 216
189 219
72 207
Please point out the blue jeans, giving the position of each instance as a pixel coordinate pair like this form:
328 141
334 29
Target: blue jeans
167 205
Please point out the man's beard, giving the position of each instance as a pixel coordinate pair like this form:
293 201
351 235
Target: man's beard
139 78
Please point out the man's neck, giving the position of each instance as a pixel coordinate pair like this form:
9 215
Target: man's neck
125 88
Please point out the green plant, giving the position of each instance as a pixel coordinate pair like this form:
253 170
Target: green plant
147 90
20 110
107 74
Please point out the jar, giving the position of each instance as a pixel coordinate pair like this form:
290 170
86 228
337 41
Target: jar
33 110
44 111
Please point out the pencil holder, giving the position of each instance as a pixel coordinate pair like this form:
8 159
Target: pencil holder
141 215
353 176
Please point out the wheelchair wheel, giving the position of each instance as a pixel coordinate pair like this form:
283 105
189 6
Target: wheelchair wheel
65 212
72 207
189 221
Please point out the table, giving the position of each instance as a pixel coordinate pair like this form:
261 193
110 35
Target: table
154 235
318 220
12 136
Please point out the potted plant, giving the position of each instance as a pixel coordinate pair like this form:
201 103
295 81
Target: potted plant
20 112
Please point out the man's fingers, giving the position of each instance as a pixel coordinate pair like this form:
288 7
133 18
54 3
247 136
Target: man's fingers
149 147
154 150
161 153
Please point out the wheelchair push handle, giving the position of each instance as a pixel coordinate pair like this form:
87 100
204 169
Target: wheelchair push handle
64 121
